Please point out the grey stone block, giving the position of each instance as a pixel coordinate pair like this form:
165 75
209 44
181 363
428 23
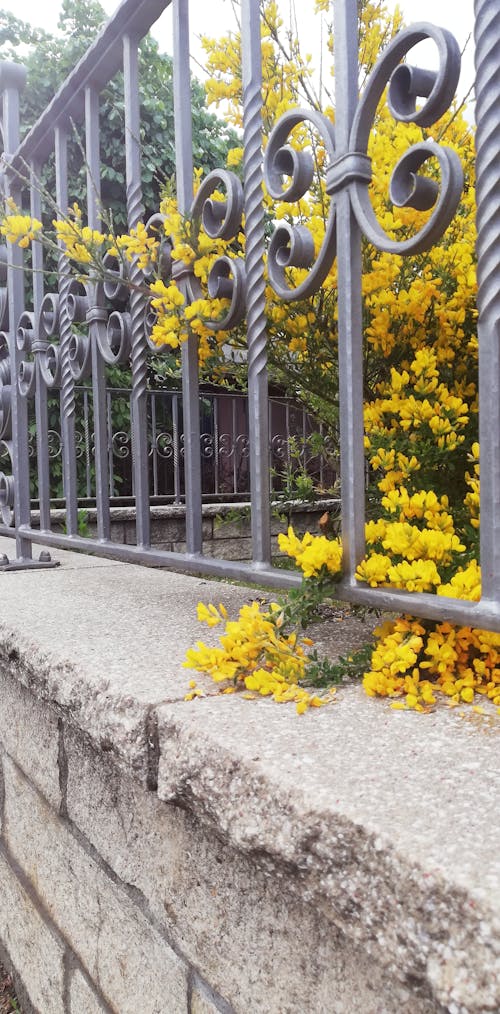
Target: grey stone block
83 999
29 734
122 953
229 549
349 803
33 949
259 946
234 529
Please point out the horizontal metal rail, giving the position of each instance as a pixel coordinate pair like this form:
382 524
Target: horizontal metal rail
96 68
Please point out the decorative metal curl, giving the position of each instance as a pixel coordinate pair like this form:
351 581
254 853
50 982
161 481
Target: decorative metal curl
164 445
5 389
407 188
220 219
48 327
6 488
4 297
25 341
292 245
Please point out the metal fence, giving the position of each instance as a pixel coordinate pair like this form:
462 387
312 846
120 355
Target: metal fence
302 456
40 353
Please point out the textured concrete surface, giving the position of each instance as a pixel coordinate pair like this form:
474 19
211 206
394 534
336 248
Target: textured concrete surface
386 823
82 999
30 944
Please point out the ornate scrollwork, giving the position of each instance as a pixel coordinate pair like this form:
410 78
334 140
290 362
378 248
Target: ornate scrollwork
220 219
292 245
5 389
48 328
4 301
164 445
24 339
6 487
279 447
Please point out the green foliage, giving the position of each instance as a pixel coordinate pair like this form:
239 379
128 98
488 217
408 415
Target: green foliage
322 673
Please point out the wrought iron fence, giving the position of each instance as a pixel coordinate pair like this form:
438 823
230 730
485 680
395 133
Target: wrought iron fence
303 459
41 352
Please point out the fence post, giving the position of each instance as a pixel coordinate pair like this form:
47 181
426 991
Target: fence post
487 56
258 421
12 82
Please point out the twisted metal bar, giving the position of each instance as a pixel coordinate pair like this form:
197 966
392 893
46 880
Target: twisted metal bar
487 37
256 302
137 303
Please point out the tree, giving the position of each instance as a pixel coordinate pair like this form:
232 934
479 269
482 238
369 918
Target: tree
50 58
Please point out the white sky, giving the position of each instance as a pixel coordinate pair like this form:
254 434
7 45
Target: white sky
213 17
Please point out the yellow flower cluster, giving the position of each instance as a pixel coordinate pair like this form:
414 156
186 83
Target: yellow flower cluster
415 661
254 655
81 243
20 229
138 245
312 553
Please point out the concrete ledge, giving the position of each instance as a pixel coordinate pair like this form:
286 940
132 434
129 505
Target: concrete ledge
366 840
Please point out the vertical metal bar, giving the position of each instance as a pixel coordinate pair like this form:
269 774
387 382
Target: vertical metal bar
139 354
175 427
154 448
109 444
14 80
216 445
41 394
65 328
97 319
487 59
258 427
349 297
86 439
321 459
184 177
234 427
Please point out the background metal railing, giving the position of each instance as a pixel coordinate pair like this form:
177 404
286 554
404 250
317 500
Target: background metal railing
302 457
42 354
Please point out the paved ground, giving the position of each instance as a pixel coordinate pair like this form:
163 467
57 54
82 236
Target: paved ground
8 1001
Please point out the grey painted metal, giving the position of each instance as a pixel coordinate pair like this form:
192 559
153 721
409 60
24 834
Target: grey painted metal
115 316
350 331
97 316
12 80
189 353
137 302
38 345
65 333
487 56
255 282
15 491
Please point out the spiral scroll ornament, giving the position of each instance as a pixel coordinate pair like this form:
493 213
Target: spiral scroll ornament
292 245
220 219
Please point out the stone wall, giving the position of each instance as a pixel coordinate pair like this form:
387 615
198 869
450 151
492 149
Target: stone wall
223 855
225 527
112 900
